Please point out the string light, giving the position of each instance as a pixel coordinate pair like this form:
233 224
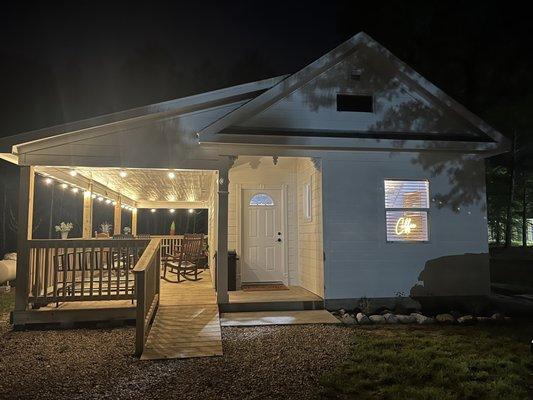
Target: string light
191 210
171 175
152 210
100 198
93 196
107 201
123 174
73 173
172 211
64 186
114 203
75 190
48 181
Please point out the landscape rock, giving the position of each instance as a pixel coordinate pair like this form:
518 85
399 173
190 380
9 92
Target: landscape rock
406 319
348 319
377 319
445 318
362 319
466 320
422 319
390 318
497 317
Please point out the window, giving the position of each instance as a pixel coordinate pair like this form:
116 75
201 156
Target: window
307 199
261 199
406 210
355 103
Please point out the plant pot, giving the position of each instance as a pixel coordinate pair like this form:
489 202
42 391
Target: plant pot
64 235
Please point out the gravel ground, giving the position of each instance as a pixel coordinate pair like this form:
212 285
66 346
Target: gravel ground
269 362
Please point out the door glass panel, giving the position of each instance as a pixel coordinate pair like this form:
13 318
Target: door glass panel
261 199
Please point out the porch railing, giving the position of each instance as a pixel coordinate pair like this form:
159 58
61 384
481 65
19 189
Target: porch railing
82 270
147 284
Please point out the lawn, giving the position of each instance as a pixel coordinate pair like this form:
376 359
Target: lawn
437 363
7 301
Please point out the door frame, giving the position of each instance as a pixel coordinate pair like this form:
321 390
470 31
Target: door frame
239 210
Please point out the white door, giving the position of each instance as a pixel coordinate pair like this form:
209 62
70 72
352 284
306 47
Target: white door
262 237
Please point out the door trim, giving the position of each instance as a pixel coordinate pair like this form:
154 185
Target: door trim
284 223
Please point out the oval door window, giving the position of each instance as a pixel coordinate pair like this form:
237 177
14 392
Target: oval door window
261 199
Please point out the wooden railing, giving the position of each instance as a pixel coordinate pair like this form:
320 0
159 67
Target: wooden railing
147 284
82 270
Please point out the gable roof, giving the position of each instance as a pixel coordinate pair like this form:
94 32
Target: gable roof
216 132
198 102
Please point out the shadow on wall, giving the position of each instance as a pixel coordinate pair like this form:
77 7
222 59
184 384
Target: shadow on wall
456 275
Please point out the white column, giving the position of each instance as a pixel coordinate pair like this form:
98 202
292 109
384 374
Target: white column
222 237
134 222
25 230
87 230
117 219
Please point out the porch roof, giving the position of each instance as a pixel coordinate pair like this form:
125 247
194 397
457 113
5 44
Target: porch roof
140 188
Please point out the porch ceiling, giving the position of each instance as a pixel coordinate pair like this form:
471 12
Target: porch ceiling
149 186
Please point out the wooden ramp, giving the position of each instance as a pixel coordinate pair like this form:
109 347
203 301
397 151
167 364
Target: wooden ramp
187 323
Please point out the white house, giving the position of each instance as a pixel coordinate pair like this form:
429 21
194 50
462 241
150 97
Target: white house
351 178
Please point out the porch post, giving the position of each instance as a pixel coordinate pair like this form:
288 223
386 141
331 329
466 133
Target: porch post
87 231
134 222
222 236
24 233
117 220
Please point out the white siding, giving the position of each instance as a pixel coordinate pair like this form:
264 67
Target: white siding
310 252
360 262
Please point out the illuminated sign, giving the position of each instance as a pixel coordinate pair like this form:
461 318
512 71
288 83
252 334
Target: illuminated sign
404 226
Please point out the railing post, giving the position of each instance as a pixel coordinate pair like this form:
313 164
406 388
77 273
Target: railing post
24 234
140 294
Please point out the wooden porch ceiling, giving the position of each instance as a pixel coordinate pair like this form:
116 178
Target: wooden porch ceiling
158 188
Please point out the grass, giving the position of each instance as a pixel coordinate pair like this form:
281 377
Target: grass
7 301
438 363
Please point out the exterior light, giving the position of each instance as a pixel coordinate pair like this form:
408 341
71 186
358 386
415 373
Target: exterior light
48 181
100 198
75 190
64 186
191 210
171 175
73 173
152 210
123 174
172 211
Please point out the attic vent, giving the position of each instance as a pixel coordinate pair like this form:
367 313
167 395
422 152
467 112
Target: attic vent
355 74
355 103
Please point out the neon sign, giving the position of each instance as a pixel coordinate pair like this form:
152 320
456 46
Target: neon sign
404 226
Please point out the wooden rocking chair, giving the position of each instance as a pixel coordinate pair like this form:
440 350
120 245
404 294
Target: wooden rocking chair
184 263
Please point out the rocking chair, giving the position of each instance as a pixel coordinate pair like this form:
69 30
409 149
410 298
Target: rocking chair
184 263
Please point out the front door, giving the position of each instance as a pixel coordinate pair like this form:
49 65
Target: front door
262 237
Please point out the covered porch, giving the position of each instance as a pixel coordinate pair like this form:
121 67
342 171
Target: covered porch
97 277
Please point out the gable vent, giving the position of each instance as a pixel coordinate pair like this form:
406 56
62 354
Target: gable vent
355 103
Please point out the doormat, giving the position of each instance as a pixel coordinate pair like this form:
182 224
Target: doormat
257 287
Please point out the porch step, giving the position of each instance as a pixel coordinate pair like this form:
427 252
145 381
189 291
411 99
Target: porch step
277 318
289 305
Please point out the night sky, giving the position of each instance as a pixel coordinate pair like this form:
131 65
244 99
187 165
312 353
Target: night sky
73 60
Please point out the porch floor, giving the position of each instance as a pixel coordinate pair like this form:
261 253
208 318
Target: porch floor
187 322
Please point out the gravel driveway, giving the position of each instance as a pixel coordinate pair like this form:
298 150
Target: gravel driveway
269 362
